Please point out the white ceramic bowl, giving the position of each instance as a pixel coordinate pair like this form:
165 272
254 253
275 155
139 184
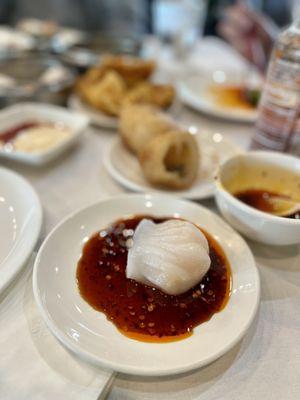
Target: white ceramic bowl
23 112
255 224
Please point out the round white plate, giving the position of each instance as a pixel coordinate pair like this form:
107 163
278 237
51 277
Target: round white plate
194 92
92 337
124 166
21 220
96 116
101 119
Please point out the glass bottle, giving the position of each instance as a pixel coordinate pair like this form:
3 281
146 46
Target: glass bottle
278 123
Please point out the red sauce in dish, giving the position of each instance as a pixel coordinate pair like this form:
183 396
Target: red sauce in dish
139 311
12 133
258 199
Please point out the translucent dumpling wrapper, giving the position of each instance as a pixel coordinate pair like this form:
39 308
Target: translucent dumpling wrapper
172 256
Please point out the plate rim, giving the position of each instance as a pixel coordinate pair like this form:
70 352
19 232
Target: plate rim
123 368
135 187
18 265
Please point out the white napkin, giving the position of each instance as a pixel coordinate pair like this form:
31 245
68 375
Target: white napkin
33 365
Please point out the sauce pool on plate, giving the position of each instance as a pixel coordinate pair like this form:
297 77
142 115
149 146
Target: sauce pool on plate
235 96
143 312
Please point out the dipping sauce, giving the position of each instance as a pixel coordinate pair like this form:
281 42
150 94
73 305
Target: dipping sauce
235 96
33 137
255 183
259 199
12 133
143 312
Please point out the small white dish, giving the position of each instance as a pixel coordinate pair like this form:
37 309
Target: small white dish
96 116
24 112
88 333
21 220
124 167
255 224
194 92
65 38
13 41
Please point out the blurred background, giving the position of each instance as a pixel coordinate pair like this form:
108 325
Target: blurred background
176 21
44 45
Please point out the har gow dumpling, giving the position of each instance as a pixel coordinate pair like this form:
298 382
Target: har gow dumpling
172 256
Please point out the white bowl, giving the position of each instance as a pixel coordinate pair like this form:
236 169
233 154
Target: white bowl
90 335
24 112
257 225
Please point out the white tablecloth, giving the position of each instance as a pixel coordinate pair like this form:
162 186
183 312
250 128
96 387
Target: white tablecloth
33 365
266 363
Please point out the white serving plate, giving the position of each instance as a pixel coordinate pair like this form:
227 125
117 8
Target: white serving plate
124 166
96 116
101 119
88 333
20 224
194 92
13 41
23 112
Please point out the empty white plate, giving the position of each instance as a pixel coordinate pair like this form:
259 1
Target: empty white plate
93 338
21 113
21 219
124 166
194 92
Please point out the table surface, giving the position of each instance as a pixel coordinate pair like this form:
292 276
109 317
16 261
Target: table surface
266 363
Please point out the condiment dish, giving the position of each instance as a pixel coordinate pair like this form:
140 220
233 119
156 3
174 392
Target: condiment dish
256 170
22 113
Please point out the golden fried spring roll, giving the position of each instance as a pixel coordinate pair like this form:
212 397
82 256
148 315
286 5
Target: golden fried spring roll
139 124
171 160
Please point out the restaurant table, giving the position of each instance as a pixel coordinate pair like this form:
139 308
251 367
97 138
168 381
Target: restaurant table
265 364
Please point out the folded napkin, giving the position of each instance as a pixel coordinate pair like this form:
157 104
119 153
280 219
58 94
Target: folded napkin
33 365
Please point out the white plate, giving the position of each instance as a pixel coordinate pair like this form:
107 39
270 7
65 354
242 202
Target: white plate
96 116
13 41
92 337
24 112
101 119
21 220
124 167
194 92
